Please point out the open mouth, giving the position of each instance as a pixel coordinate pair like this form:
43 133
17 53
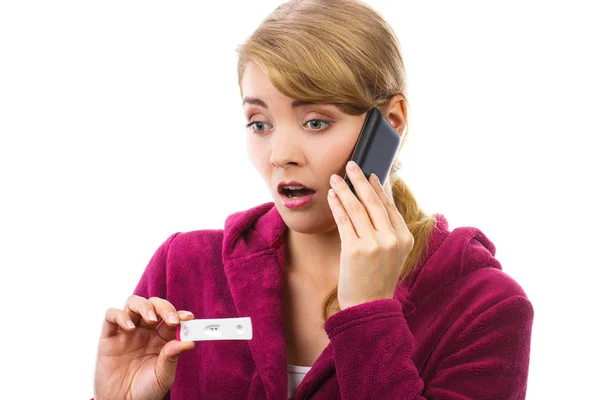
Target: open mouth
299 192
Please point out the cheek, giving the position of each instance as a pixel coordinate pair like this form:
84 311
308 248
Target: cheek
258 154
334 156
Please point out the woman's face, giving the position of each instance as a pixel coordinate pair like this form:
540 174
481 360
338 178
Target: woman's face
306 143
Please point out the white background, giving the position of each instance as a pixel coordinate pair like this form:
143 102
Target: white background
121 123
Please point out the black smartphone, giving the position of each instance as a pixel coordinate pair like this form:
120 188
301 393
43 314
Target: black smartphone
375 147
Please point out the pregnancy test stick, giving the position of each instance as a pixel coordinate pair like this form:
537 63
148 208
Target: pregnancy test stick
215 329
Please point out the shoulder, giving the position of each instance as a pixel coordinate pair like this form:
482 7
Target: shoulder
185 246
462 275
490 282
183 258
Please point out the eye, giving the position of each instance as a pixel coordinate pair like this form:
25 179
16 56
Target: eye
258 126
317 124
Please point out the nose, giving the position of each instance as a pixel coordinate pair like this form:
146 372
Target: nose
284 149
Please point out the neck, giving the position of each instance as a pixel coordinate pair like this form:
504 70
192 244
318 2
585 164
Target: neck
313 255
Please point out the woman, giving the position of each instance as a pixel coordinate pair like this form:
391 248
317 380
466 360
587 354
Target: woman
363 297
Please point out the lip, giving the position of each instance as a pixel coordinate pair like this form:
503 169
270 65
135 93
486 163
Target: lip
296 202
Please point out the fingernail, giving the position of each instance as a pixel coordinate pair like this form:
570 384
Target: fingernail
173 318
152 316
130 324
185 312
374 178
352 166
335 178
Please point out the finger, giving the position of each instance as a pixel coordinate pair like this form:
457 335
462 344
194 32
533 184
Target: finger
165 310
345 227
354 208
166 364
141 311
369 198
168 332
394 216
185 315
115 319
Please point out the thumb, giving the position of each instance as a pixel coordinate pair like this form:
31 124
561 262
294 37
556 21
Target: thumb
166 364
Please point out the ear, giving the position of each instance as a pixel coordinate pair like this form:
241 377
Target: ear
396 113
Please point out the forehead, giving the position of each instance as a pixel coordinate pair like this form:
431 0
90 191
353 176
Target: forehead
256 84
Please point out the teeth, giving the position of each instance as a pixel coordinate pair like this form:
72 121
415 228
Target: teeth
293 187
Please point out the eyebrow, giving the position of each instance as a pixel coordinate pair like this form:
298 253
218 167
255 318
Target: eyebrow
259 102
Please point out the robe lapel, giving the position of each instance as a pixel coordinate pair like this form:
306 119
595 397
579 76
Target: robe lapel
322 369
256 285
254 264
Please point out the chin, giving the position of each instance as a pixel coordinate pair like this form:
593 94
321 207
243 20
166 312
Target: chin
313 219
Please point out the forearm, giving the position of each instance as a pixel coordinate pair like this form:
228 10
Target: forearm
372 347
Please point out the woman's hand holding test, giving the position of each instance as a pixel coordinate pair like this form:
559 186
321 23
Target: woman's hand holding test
137 353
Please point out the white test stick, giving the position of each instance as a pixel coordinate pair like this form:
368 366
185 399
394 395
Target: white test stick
215 329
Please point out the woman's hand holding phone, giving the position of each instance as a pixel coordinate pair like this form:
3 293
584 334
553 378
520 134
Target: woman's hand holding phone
138 351
375 239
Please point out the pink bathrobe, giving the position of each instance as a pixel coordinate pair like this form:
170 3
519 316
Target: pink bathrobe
458 328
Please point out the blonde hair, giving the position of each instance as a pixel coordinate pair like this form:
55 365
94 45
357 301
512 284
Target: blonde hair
339 52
